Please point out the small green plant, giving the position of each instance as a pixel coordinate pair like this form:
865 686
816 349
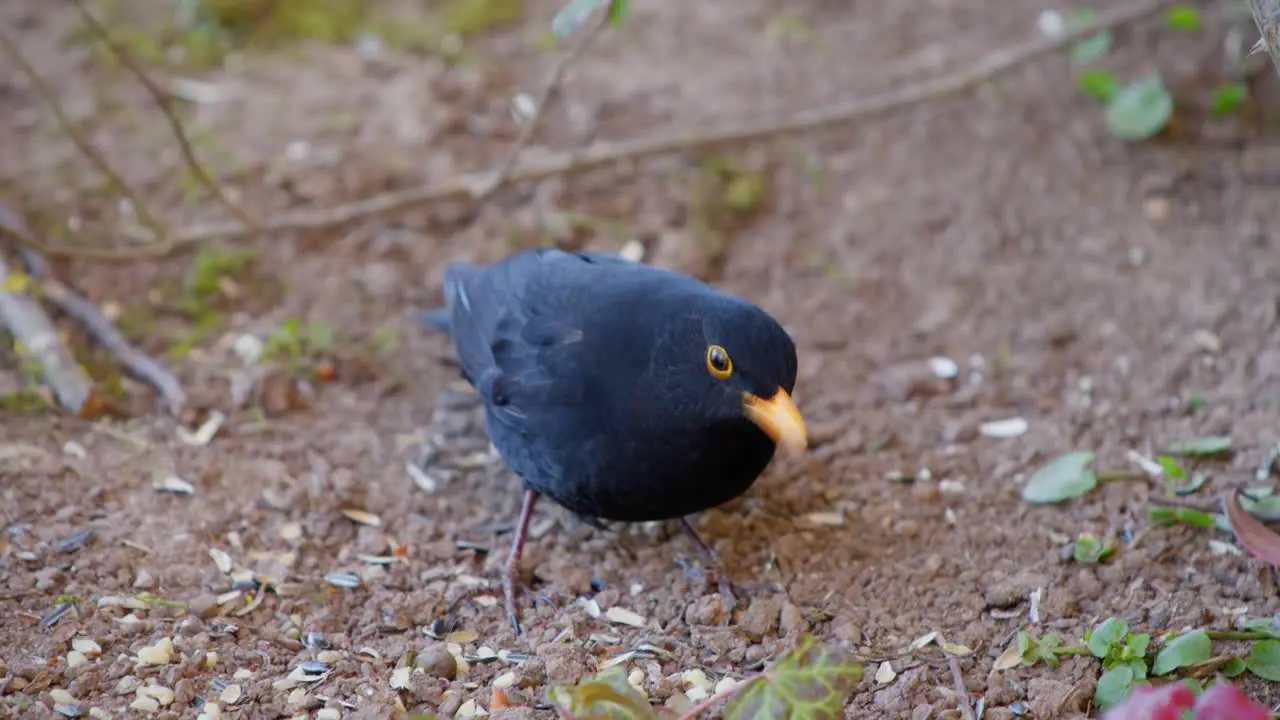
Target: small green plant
1131 659
296 344
811 681
1141 108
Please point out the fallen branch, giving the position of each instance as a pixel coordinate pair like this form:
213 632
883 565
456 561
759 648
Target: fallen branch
135 362
164 101
40 342
471 186
1266 15
46 93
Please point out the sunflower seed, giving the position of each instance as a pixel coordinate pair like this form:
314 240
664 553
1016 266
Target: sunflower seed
175 485
362 517
344 580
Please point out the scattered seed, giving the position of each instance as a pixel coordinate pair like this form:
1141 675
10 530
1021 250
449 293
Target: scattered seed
950 486
75 542
1034 601
297 696
315 640
696 693
832 519
76 658
1004 429
218 685
344 580
162 694
591 606
312 667
230 694
205 433
696 678
622 616
462 636
505 680
86 646
67 710
632 250
328 714
52 617
153 655
331 657
378 559
362 517
922 641
400 678
885 674
145 704
944 368
290 531
221 560
725 685
512 657
954 649
469 709
368 654
62 697
617 659
421 479
174 484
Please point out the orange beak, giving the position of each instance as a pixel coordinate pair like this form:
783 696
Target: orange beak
778 418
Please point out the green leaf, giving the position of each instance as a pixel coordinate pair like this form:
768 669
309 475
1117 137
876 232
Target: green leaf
1265 626
1228 98
1110 633
1093 47
1135 647
1196 482
811 682
606 695
1207 445
1234 667
1098 84
1063 478
1090 550
571 16
1187 649
1264 660
1183 17
1113 687
1140 110
1171 468
617 11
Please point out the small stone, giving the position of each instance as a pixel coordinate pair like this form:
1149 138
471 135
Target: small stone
61 697
86 646
437 661
707 610
76 659
153 655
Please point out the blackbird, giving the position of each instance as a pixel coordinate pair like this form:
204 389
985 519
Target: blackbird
618 390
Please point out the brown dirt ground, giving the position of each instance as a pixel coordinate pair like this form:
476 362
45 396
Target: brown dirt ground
1089 287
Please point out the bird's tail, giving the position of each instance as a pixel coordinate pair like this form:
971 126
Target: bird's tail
437 318
456 278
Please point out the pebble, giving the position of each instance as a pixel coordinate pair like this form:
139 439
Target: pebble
437 661
145 704
76 658
61 697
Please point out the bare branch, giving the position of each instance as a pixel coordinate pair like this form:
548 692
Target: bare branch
137 363
1266 14
464 187
46 93
499 176
164 102
40 340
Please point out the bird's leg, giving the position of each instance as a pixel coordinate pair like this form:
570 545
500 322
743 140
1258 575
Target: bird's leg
512 571
725 585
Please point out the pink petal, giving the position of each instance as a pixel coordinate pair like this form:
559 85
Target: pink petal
1226 702
1153 703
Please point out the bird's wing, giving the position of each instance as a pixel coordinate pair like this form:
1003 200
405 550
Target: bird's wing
517 329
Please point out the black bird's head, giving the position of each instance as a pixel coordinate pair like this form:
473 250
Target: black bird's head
737 362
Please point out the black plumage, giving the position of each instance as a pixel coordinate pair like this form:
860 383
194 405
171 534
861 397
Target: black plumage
620 391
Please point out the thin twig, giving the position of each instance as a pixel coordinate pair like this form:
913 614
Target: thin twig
164 101
137 363
82 143
464 186
962 693
499 176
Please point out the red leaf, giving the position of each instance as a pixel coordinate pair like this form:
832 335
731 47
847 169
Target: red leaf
1255 537
1226 702
1153 703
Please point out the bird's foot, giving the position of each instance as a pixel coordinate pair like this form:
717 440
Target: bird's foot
729 589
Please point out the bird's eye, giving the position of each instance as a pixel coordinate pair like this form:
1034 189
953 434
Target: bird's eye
718 362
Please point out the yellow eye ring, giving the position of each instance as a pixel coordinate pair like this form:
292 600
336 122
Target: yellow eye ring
718 362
